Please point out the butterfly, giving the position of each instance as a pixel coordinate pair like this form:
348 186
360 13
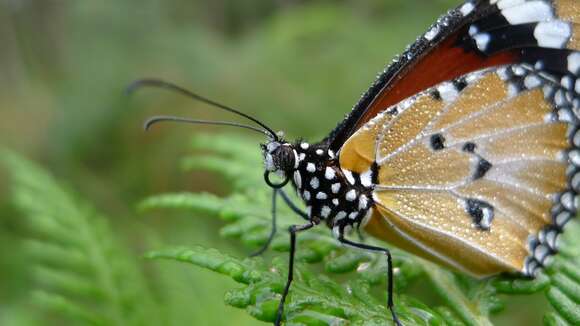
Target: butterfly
465 151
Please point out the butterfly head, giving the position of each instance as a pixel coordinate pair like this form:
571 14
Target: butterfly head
279 157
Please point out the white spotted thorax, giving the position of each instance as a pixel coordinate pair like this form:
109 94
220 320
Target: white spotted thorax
341 198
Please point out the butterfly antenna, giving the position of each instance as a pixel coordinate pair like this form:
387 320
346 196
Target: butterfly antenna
157 83
167 118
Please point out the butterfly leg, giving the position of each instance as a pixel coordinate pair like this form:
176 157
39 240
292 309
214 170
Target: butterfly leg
387 253
293 230
274 227
292 206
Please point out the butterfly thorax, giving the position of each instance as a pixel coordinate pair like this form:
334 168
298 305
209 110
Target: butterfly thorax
340 198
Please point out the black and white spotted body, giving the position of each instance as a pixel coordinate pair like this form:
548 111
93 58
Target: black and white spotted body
340 198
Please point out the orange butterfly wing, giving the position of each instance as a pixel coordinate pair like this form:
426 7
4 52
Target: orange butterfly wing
480 170
466 180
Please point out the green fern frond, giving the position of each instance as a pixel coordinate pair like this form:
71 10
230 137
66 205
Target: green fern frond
564 289
80 271
314 296
315 299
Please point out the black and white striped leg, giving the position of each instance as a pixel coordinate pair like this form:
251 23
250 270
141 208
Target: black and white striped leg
293 230
274 227
387 253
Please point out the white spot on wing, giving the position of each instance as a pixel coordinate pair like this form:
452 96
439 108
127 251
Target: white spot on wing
576 141
532 81
533 11
486 218
310 167
574 157
366 178
541 252
552 239
407 103
567 82
473 30
574 62
432 33
467 8
304 146
482 40
447 91
552 34
563 218
503 73
512 90
567 200
560 98
502 4
349 176
530 267
519 70
473 77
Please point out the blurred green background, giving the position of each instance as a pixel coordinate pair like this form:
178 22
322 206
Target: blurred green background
297 65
